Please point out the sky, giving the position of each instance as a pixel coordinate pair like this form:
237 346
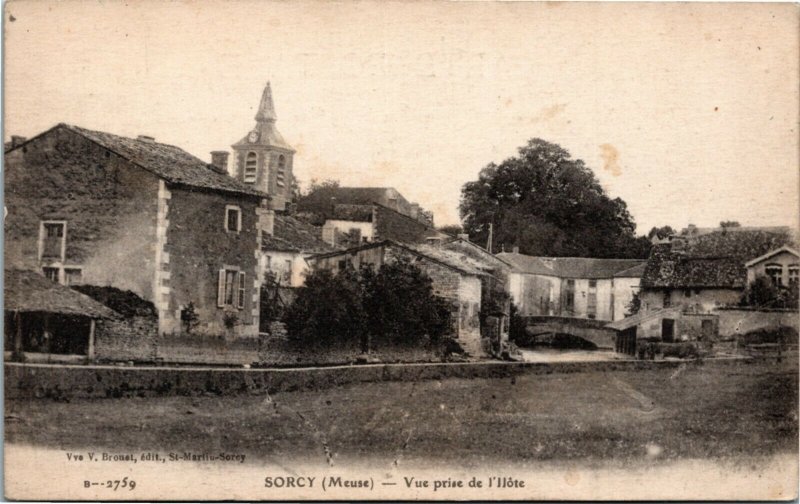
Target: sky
689 113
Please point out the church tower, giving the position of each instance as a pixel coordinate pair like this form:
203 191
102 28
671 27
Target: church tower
263 158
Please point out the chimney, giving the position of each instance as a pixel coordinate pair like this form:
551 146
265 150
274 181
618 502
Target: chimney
17 140
463 236
220 160
515 249
145 138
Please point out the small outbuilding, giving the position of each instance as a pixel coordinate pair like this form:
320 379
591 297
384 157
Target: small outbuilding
47 321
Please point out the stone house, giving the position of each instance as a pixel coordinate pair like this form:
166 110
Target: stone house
88 207
286 247
455 277
704 271
572 286
781 265
321 203
349 225
692 285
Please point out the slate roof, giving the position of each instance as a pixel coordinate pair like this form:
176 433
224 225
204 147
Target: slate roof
635 272
28 291
168 162
293 235
569 267
712 260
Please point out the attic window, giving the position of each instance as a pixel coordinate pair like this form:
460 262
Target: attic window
280 178
250 167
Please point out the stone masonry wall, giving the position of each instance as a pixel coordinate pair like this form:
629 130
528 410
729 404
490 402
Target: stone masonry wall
109 206
198 246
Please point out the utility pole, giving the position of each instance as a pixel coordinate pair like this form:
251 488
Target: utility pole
489 242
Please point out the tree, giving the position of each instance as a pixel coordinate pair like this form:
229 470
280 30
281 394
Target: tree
394 305
763 293
729 224
547 203
661 232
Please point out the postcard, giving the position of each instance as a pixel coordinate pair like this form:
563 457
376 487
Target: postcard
361 250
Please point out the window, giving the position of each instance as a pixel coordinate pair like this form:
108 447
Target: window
667 300
687 293
73 276
775 273
287 271
592 284
794 274
280 178
233 218
52 236
569 297
250 167
591 305
51 274
231 288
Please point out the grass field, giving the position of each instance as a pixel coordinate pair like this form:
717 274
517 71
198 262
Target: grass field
694 411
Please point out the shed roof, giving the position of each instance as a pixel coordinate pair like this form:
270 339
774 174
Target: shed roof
168 162
28 291
293 235
638 318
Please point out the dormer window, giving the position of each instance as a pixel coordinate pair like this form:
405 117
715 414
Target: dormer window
250 167
233 218
280 178
794 274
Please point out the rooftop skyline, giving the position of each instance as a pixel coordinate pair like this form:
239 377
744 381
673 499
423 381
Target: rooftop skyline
688 113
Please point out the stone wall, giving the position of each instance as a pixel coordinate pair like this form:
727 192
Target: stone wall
198 246
734 322
27 381
109 206
129 339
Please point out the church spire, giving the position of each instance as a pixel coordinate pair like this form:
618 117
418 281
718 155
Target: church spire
266 110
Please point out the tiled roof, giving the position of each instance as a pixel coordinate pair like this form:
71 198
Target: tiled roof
710 260
28 291
635 272
171 163
569 267
293 235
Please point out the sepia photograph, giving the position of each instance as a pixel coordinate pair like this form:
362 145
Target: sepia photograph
409 250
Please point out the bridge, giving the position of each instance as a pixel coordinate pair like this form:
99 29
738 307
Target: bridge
593 331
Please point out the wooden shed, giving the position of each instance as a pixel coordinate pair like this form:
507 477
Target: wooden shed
48 321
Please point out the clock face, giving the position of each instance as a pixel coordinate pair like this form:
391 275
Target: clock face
253 136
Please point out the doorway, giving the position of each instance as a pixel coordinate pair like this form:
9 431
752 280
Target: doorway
667 330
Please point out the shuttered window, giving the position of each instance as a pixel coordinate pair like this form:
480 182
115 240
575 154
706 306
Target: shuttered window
250 167
230 288
241 291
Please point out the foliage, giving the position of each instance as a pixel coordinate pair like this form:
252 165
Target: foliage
328 310
635 304
394 305
661 232
548 204
729 224
230 319
189 318
317 185
763 293
401 306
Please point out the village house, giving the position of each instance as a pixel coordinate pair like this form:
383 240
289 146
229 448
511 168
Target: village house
576 287
349 225
320 205
692 286
455 277
286 247
88 207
